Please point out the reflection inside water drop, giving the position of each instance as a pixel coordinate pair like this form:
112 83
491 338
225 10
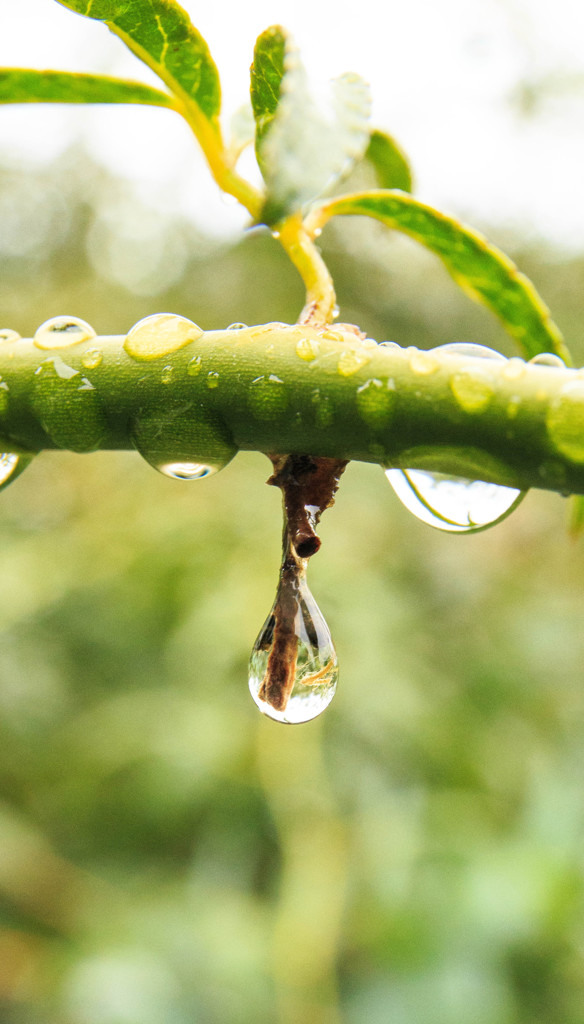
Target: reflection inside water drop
293 668
452 503
186 470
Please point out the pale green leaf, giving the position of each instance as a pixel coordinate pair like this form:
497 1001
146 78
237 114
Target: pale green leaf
388 160
302 149
482 270
20 85
160 33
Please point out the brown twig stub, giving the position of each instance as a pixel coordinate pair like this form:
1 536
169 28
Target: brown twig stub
308 487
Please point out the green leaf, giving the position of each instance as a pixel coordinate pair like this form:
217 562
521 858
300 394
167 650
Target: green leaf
266 74
391 165
482 270
301 151
19 85
160 33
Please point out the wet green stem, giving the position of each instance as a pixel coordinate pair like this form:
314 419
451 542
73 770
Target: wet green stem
320 390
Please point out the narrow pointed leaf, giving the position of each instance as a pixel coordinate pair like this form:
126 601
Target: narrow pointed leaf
388 160
482 270
19 85
160 33
266 74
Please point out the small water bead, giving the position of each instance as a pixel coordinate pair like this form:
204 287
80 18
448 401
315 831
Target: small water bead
307 349
351 361
293 673
267 397
337 336
451 503
237 327
92 358
167 375
375 403
160 335
548 359
212 379
565 421
62 331
7 336
423 363
324 411
514 368
472 388
194 366
467 348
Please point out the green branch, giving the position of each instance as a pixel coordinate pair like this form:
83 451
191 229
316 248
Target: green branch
178 393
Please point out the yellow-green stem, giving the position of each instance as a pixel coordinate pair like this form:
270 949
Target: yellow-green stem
320 292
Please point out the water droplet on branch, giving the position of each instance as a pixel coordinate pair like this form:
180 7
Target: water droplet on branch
7 335
182 447
548 359
452 503
159 335
459 504
293 669
62 331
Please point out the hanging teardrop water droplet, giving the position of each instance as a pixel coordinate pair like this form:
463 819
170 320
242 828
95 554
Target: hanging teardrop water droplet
293 667
11 466
182 447
458 504
453 503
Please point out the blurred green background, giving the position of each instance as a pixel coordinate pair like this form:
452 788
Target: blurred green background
168 855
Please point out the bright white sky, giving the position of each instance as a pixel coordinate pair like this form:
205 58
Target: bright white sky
443 73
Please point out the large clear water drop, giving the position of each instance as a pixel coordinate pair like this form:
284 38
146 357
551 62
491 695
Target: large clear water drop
183 447
293 669
453 503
